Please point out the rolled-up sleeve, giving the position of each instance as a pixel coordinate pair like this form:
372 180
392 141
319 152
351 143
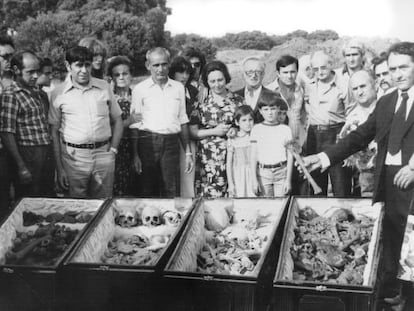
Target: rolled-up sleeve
182 109
9 108
115 111
54 110
136 105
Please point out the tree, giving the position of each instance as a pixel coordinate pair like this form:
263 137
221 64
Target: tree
323 35
180 41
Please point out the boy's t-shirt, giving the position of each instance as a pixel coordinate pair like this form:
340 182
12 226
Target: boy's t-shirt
270 140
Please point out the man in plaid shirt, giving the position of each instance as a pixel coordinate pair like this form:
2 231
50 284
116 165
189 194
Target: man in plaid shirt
24 128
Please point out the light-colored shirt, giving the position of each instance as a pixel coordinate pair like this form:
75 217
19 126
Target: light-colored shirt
326 102
296 113
251 100
271 140
396 158
162 109
83 115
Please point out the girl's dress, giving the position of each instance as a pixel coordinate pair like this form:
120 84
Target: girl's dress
123 182
239 149
210 175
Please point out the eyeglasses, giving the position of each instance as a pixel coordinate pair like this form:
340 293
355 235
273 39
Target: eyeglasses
196 64
252 72
322 68
6 56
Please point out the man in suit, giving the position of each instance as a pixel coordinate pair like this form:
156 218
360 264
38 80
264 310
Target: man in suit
253 92
391 125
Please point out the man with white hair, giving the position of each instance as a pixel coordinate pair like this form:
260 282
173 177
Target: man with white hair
254 91
155 145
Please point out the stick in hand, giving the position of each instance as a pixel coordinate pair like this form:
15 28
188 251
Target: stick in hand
293 147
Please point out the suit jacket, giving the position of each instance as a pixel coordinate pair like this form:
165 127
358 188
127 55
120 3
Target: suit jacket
377 127
257 116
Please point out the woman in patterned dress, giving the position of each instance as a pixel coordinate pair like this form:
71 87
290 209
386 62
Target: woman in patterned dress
209 124
120 71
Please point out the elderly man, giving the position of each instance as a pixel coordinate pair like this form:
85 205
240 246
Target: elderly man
383 79
390 125
160 103
24 128
253 92
86 129
326 98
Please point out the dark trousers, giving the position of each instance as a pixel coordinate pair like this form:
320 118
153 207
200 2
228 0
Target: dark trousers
5 182
341 179
35 159
397 205
160 158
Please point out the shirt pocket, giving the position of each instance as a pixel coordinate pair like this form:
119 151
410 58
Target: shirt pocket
102 108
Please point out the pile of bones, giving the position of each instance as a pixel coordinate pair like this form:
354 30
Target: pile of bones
43 239
234 241
139 238
332 250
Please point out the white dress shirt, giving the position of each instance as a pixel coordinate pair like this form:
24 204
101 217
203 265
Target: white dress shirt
251 100
162 109
396 158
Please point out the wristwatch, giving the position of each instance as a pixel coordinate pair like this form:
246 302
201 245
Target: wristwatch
114 150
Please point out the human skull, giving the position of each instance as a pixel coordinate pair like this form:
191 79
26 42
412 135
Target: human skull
127 218
240 236
151 216
172 218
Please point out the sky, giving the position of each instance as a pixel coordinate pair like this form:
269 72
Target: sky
364 18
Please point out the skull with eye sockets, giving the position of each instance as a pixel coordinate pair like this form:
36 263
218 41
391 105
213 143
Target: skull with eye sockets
172 218
151 216
127 218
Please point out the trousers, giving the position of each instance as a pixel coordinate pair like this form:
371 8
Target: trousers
90 171
160 158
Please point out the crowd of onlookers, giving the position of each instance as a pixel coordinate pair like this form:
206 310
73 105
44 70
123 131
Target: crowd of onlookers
88 133
181 131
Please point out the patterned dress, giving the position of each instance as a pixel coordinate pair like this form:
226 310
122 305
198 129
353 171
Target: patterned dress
123 181
210 175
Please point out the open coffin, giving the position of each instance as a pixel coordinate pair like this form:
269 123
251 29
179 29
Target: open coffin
330 252
225 253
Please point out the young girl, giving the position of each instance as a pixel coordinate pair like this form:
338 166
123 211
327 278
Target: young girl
238 155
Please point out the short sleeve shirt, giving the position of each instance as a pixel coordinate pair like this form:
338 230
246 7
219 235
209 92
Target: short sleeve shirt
163 110
84 115
271 140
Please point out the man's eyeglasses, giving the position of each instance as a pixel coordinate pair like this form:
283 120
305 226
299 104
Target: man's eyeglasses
252 72
6 56
196 65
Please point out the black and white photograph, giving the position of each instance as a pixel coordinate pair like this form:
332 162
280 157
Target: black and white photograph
223 155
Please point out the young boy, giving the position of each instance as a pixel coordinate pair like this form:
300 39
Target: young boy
269 157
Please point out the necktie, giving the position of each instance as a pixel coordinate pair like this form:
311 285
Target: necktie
397 126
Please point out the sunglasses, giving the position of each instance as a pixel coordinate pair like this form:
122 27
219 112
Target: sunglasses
196 65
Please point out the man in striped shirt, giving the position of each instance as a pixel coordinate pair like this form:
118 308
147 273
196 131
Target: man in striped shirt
24 128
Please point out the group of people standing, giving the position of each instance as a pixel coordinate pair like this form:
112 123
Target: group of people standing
182 132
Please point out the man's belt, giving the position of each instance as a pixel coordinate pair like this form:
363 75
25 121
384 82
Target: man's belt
323 127
143 134
87 146
277 165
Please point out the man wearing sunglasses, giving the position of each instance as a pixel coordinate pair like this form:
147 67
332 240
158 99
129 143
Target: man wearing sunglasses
6 53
